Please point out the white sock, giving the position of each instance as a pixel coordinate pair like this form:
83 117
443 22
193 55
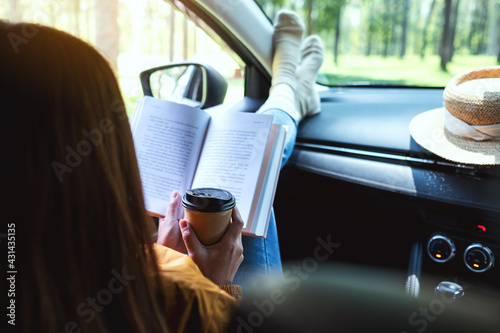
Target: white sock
287 38
307 99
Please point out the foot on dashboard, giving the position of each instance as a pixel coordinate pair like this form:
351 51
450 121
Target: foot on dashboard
307 98
287 39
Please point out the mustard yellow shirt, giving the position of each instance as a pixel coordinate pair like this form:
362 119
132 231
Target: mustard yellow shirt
195 304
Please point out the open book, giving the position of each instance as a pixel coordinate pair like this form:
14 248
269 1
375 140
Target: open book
180 147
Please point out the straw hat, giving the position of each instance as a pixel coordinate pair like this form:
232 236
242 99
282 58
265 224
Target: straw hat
467 129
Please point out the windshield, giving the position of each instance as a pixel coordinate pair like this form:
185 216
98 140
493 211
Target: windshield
398 42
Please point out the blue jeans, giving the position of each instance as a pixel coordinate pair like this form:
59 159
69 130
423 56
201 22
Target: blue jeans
262 255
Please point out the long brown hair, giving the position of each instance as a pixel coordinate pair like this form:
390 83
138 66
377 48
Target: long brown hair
84 257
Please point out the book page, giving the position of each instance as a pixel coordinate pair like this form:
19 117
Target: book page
274 154
232 156
168 138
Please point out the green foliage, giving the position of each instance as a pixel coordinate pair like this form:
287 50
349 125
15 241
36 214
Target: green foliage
328 14
411 70
362 29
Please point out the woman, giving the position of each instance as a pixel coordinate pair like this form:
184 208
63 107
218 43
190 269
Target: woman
85 258
84 251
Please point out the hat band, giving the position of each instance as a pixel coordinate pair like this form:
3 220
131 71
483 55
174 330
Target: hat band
478 133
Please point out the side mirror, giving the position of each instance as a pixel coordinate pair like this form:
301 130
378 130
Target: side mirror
194 84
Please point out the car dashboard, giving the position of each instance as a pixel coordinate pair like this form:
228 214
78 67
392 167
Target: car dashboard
357 176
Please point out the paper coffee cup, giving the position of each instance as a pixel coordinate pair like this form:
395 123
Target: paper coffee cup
208 210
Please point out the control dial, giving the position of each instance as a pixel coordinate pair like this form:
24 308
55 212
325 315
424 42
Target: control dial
478 258
441 248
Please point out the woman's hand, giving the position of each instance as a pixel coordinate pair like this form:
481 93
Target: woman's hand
218 262
169 233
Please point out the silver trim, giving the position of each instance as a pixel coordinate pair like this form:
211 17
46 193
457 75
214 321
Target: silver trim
450 243
366 153
488 252
412 287
449 288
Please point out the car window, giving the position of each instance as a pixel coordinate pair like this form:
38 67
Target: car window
399 42
135 36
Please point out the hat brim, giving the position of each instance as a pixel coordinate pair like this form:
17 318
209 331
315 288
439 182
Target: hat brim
428 130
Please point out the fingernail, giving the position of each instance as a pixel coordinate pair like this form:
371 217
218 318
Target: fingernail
183 224
174 196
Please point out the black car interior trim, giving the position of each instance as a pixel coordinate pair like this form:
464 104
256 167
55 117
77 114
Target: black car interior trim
436 185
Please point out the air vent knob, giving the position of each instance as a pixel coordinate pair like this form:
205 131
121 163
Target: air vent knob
441 248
